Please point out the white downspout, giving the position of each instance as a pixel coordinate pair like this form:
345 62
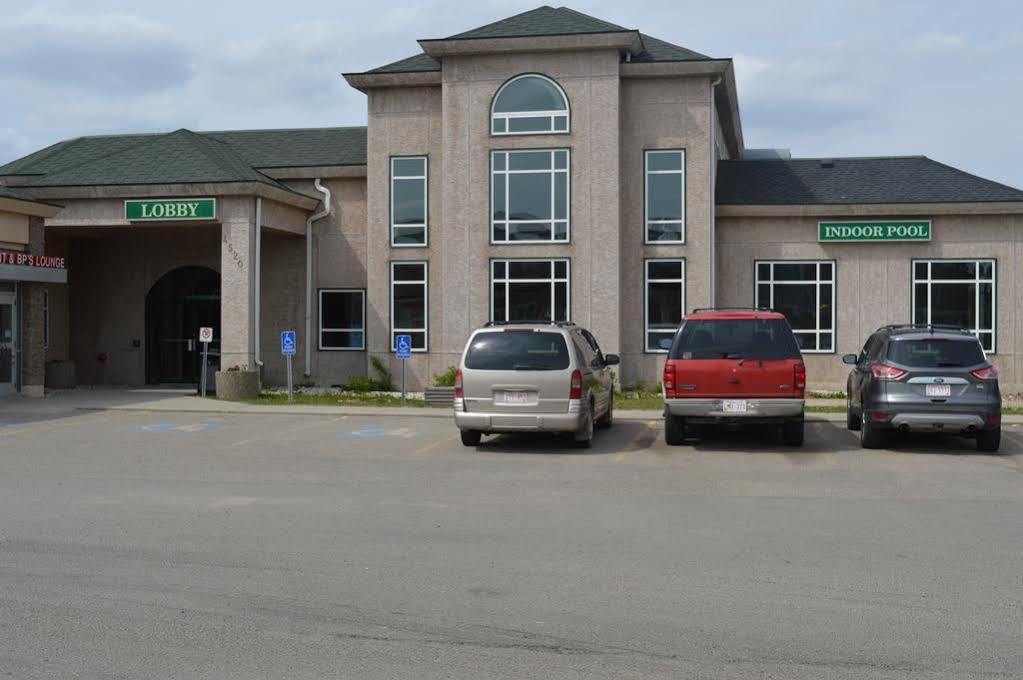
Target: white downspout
309 274
713 196
259 280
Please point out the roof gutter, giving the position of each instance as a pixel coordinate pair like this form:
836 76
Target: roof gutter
258 283
309 274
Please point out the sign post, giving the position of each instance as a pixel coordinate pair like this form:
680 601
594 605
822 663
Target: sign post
403 349
288 345
205 337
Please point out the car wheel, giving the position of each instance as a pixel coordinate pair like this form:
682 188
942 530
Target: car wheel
584 435
989 440
792 433
870 436
852 420
471 437
674 430
608 419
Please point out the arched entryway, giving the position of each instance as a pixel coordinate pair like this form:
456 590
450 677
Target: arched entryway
179 303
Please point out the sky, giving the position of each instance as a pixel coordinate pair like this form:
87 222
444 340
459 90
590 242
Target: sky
820 77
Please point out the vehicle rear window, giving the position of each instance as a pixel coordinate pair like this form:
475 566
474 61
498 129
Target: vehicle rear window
735 339
517 351
936 352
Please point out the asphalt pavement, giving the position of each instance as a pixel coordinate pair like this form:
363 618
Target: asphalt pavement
140 544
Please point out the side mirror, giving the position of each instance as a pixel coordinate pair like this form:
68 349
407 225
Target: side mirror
850 359
612 360
664 343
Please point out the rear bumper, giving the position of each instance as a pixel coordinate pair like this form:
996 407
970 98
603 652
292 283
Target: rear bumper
756 409
519 422
948 417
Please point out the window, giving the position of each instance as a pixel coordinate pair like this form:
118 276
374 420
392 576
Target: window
409 295
804 291
529 290
408 201
741 338
529 196
665 302
956 292
342 320
499 351
665 196
46 319
529 105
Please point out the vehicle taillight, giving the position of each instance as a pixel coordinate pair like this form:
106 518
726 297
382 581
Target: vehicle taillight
576 391
799 377
459 393
886 372
669 380
988 373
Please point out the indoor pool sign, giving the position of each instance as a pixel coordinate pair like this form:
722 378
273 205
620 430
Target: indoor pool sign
171 209
916 230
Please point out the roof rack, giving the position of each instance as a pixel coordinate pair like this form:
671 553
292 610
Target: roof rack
932 327
543 322
733 309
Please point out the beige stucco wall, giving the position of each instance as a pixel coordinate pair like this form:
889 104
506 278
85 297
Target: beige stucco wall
873 280
662 113
13 229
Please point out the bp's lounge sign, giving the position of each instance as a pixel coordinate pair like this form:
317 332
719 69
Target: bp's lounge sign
171 209
917 230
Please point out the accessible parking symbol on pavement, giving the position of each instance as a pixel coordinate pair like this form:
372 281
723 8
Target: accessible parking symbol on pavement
381 433
177 427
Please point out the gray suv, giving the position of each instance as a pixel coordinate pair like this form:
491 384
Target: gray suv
923 378
533 377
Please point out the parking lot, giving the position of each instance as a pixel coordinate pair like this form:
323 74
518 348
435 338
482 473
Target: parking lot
183 545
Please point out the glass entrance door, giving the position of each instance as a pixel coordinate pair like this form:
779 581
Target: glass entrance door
178 305
8 337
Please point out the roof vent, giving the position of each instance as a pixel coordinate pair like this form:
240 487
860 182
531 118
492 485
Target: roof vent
827 162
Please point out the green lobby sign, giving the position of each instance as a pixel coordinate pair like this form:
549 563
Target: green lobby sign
915 230
173 209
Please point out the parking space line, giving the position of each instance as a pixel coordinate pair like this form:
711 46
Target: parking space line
307 425
633 443
51 425
419 453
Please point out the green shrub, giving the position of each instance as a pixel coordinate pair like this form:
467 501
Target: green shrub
362 384
447 378
384 375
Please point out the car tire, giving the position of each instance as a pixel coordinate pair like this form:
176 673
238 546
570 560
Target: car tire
608 419
988 441
870 436
792 433
674 430
471 437
584 435
852 420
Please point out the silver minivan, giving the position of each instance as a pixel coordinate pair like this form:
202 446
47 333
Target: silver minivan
533 377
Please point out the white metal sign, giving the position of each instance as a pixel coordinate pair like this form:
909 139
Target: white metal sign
205 334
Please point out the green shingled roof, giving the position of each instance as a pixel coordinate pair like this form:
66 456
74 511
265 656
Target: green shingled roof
186 156
548 21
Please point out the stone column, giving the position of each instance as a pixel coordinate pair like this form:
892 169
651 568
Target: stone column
237 284
33 355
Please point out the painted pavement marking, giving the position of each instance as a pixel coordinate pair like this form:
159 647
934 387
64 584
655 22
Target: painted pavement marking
305 425
177 427
633 443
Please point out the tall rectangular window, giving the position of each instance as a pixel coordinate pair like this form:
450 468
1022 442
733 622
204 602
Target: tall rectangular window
804 291
529 290
409 303
529 196
665 301
958 293
342 319
665 190
409 201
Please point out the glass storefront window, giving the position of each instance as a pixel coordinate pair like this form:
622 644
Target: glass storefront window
804 291
957 293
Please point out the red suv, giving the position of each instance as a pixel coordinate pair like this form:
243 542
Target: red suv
734 367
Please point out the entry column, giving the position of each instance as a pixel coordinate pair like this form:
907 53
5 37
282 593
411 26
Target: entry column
237 284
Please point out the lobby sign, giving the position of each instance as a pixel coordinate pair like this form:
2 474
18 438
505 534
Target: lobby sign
170 209
13 257
860 232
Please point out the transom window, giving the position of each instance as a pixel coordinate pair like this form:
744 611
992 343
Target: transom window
959 293
409 309
342 319
665 210
529 105
529 290
804 291
409 201
665 301
529 196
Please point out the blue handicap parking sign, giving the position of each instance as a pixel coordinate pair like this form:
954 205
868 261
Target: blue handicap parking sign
288 343
403 346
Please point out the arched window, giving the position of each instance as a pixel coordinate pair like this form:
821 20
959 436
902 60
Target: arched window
529 105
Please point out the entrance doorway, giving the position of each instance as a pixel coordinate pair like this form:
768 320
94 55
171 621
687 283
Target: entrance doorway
177 305
8 338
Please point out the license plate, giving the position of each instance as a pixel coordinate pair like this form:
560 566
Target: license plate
516 397
939 390
734 406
